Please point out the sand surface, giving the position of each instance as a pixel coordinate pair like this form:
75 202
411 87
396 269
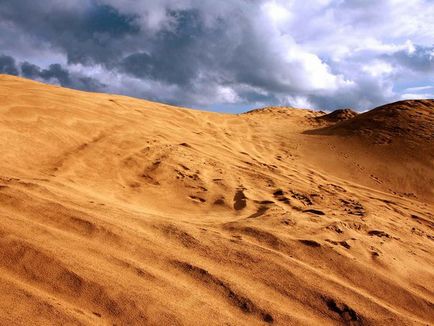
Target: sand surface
118 211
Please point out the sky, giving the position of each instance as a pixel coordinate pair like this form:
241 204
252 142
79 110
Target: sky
226 56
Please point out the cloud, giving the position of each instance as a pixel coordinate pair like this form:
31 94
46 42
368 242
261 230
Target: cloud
55 74
7 65
418 92
92 32
415 96
419 59
225 54
420 88
378 68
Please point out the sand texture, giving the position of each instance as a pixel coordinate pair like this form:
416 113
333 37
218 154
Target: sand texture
119 211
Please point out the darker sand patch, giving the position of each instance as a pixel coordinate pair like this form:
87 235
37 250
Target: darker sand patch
240 200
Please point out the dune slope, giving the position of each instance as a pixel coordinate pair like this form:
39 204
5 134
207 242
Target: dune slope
121 211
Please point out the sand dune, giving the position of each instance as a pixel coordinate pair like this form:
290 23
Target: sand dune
121 211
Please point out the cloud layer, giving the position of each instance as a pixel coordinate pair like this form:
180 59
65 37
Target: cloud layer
226 55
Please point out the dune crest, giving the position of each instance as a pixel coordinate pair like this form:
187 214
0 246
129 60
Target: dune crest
116 210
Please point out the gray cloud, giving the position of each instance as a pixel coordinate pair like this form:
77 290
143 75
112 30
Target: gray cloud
91 33
7 65
55 73
30 70
420 59
231 54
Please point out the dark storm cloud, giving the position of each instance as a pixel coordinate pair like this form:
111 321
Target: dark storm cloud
7 65
173 56
232 50
29 70
55 73
236 53
93 33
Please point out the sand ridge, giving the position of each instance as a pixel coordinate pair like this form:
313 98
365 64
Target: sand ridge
120 211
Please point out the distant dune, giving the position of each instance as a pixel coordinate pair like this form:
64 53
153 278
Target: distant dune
121 211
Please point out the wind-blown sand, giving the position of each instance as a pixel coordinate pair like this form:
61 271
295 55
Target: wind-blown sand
121 211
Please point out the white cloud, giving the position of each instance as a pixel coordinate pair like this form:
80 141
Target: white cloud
227 95
378 68
301 102
276 12
416 96
418 89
